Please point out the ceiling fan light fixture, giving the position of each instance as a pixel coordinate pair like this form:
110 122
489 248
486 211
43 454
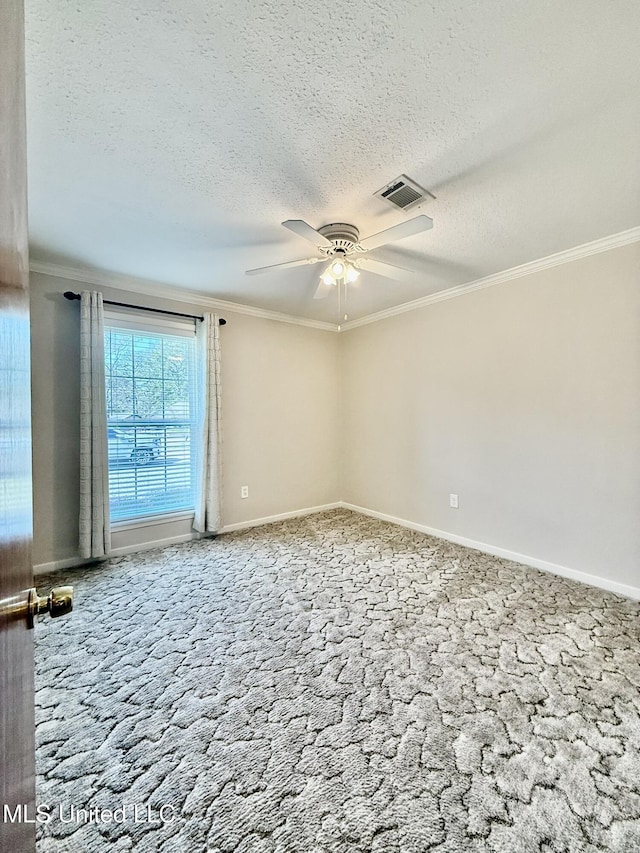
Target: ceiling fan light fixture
352 274
337 269
327 278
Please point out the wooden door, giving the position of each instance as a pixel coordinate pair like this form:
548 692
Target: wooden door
17 775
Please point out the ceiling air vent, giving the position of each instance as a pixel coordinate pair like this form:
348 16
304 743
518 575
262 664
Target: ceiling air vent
404 193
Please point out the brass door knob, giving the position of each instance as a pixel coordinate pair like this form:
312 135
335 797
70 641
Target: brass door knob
59 602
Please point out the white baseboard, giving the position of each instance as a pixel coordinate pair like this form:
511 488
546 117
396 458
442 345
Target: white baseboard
269 519
74 562
70 562
67 563
545 566
157 543
554 569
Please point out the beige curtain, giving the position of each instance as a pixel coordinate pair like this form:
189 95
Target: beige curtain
95 526
208 514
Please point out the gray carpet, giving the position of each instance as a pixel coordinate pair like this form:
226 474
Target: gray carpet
335 684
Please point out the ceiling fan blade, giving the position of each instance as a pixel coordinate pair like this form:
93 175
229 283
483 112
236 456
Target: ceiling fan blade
260 270
303 229
323 290
397 232
387 270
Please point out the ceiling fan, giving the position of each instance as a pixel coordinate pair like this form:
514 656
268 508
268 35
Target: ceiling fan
340 246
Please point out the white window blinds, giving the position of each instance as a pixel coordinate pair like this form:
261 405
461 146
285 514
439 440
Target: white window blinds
150 378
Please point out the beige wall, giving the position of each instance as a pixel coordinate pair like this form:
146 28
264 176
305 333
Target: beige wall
280 418
523 399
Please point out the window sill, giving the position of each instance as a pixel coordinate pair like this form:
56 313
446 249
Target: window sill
152 520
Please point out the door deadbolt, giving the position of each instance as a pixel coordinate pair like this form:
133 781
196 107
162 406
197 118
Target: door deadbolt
59 602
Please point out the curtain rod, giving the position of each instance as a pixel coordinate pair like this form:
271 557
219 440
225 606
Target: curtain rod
69 294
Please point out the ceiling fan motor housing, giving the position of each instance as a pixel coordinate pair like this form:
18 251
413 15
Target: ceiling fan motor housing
343 236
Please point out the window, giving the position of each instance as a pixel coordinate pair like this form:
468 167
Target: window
151 416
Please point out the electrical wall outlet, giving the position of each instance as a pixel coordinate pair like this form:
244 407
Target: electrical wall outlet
453 501
244 491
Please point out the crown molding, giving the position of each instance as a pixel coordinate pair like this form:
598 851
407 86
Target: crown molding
163 291
614 241
145 287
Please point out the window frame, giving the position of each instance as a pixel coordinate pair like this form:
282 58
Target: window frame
134 320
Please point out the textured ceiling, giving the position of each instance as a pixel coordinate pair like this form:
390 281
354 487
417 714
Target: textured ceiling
169 140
